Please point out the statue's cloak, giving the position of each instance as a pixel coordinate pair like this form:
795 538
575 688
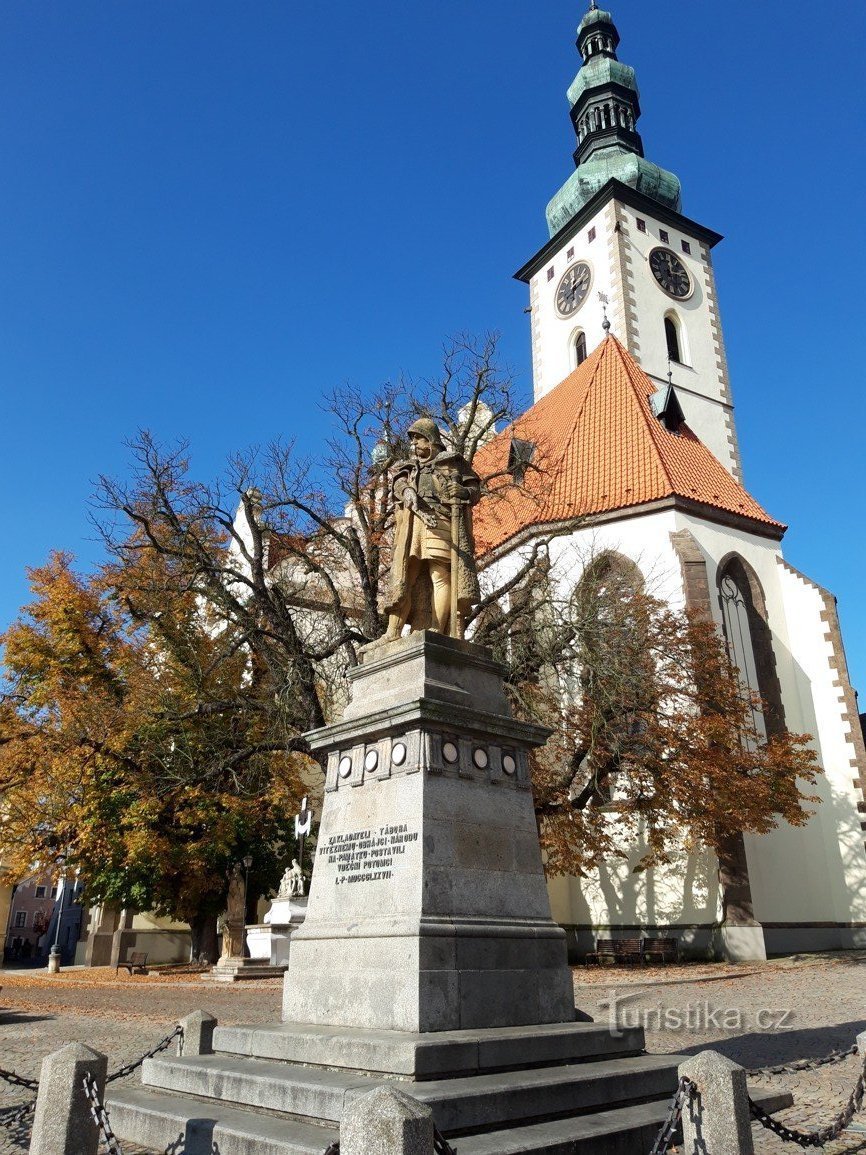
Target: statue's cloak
444 465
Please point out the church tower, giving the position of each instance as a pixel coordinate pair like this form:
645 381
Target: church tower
633 428
621 249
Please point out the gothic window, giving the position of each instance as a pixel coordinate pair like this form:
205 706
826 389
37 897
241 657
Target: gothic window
579 347
672 339
613 662
749 640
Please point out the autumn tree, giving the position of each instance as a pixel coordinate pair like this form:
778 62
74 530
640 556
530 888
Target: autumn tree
118 749
656 737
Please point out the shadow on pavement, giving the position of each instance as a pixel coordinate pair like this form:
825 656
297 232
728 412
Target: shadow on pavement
20 1017
758 1049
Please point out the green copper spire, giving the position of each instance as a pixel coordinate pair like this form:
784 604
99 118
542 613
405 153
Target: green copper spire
605 107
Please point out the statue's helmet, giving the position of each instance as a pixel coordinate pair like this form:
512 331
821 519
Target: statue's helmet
426 427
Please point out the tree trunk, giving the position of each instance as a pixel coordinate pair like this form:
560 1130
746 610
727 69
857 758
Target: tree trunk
204 938
737 907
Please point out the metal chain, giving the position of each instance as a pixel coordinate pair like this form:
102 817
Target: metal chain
804 1064
440 1145
122 1072
18 1116
825 1134
19 1081
684 1092
100 1115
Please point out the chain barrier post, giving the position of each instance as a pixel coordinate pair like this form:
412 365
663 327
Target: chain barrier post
717 1118
386 1122
63 1124
196 1034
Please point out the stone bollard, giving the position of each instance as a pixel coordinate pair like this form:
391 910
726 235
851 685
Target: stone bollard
63 1124
198 1029
717 1121
386 1122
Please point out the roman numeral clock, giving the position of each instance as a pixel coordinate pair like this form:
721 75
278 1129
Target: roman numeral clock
572 289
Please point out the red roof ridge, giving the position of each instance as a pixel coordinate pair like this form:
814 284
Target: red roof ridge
602 449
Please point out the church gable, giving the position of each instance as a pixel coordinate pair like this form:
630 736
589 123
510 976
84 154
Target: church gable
598 447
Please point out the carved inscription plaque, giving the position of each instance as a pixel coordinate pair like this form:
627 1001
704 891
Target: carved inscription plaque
368 855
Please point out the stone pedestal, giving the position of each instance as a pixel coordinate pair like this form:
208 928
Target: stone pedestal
285 916
428 908
234 970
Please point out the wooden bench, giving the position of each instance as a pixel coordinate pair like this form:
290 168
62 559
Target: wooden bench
662 950
136 964
615 951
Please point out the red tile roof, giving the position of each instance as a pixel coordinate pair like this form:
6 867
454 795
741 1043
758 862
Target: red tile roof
600 448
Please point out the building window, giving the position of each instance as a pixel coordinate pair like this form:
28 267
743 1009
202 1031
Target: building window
663 236
550 273
579 349
590 236
672 339
687 248
750 642
641 225
20 919
40 891
569 254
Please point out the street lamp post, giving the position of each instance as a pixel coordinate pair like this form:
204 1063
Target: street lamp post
54 953
247 861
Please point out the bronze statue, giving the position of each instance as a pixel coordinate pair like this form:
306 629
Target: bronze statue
434 580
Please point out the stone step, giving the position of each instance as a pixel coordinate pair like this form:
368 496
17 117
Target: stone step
442 1054
170 1122
161 1121
623 1131
465 1103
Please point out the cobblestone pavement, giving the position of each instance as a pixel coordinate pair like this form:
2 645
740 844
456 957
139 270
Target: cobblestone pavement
757 1014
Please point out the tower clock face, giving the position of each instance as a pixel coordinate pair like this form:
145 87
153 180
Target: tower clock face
670 272
572 289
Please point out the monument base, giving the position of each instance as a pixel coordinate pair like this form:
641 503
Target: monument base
234 970
428 907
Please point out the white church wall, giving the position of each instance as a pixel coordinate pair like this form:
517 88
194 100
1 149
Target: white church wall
836 838
552 335
683 894
826 856
700 382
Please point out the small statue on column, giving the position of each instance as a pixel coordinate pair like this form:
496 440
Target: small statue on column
434 579
234 921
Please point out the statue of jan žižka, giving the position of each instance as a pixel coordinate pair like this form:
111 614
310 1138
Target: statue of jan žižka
434 580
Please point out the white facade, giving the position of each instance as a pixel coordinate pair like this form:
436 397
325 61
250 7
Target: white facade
616 243
808 883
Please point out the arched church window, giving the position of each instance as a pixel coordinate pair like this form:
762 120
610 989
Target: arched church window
579 347
672 339
749 640
614 665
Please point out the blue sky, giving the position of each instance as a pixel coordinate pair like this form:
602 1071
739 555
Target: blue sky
212 211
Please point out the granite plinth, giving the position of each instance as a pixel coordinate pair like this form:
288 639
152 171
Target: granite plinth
428 909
